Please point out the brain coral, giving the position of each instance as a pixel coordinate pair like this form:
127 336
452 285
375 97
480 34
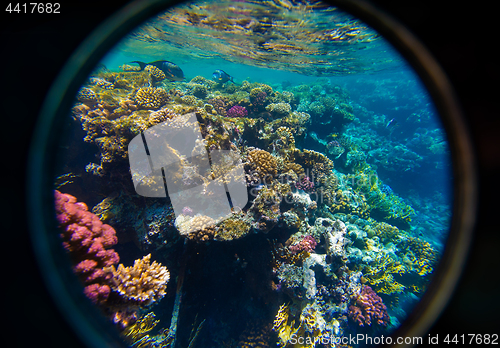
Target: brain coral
263 163
155 73
151 98
143 284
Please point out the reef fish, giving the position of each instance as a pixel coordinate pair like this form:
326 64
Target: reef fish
171 70
221 76
392 123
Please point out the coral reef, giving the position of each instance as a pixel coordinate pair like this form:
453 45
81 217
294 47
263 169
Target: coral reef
142 284
368 308
87 240
321 229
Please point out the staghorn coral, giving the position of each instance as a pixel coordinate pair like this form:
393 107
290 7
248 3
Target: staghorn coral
349 202
87 240
151 98
368 308
380 274
422 255
142 284
263 163
156 74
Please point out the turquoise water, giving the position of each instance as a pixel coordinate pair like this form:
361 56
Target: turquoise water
333 138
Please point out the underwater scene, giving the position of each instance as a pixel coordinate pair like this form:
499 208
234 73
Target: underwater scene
253 174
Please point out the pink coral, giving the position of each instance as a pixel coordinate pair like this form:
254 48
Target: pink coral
87 240
237 111
369 307
308 243
305 184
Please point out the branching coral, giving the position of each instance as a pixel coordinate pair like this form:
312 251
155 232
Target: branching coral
142 284
349 202
423 256
380 274
368 308
87 239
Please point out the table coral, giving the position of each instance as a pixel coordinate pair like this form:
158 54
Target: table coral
87 240
142 284
368 308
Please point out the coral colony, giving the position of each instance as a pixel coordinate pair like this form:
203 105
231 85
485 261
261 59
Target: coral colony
323 249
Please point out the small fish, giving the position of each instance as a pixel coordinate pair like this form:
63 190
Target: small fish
171 70
392 123
221 76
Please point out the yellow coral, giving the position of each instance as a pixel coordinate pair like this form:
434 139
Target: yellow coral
380 275
263 163
155 73
424 256
232 228
143 283
296 168
281 109
151 98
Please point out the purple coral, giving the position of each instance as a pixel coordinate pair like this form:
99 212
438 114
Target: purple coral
369 307
305 184
237 111
308 243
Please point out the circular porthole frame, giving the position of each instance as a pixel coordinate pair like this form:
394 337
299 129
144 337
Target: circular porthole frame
54 263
